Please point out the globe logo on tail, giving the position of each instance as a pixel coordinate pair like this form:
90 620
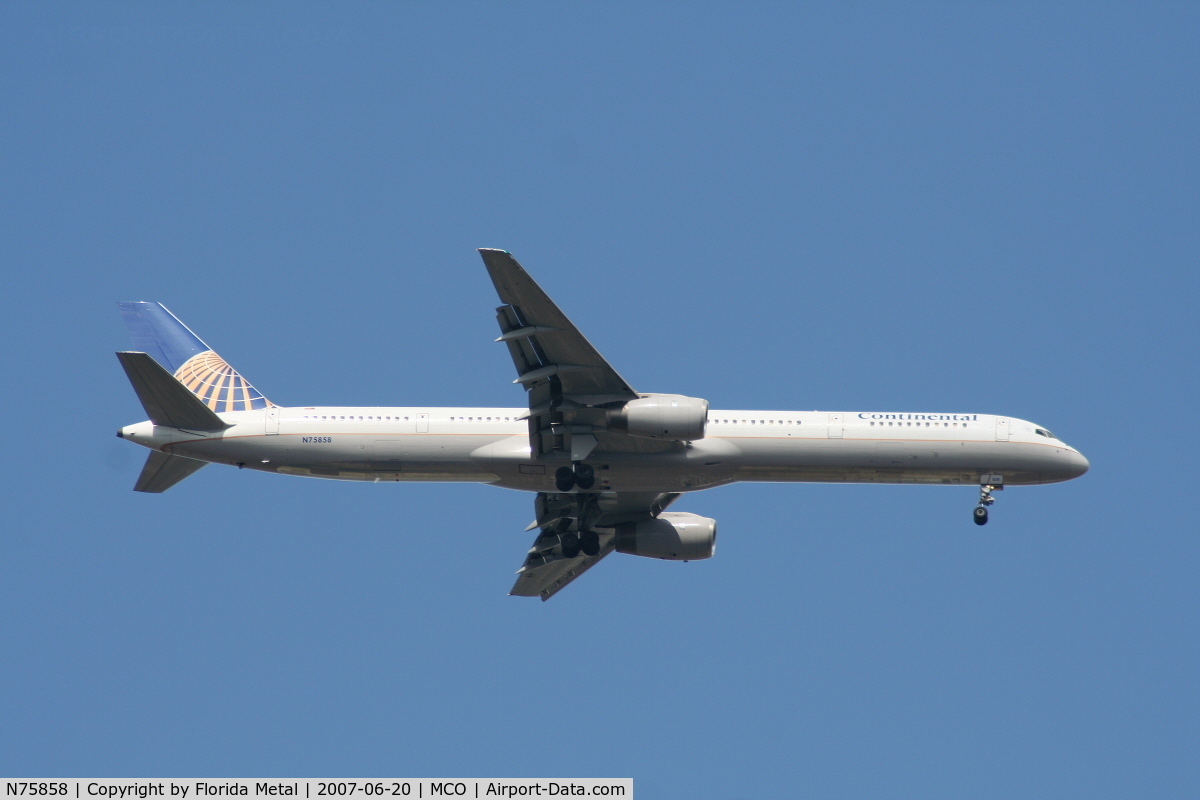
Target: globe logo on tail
218 384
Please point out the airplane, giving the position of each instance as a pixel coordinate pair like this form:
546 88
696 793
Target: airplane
606 461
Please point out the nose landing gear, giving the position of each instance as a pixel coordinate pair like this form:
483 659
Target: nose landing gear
980 514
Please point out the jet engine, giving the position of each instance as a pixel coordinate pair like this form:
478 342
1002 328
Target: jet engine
673 535
661 416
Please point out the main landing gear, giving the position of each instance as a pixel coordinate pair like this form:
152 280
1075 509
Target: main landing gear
569 517
573 543
577 475
985 500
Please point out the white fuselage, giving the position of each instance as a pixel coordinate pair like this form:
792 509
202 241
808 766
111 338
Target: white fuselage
491 445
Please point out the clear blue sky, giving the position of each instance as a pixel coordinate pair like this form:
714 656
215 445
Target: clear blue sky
984 208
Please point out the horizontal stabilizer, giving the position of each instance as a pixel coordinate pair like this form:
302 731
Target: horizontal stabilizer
167 401
163 470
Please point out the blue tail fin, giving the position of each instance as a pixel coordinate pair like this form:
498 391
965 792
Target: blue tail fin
193 363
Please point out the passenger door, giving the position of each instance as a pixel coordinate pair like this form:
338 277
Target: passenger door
1001 429
835 426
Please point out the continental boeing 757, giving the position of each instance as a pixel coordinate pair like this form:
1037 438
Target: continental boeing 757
605 460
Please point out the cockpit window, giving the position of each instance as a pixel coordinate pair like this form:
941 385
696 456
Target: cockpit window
1044 432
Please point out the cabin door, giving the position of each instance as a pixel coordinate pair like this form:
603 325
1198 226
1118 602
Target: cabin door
835 426
1001 429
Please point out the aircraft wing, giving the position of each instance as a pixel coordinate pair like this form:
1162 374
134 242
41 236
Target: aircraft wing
571 388
569 383
544 344
547 568
546 571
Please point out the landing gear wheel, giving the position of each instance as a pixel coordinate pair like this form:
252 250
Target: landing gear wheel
564 479
589 543
570 545
585 476
986 499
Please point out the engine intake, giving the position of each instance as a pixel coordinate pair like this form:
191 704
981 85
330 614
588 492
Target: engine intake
673 535
662 416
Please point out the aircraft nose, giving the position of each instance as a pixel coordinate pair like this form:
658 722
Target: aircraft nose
1077 464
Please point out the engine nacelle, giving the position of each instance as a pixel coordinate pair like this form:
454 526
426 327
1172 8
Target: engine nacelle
662 416
675 536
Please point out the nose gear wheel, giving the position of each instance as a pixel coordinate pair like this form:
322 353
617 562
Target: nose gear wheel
980 515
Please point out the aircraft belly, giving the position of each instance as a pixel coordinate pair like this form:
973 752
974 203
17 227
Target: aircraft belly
505 461
897 461
348 456
699 465
428 458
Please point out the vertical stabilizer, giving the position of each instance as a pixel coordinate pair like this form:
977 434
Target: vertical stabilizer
157 331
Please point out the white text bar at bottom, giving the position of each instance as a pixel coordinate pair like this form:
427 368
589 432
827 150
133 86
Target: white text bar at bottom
356 788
